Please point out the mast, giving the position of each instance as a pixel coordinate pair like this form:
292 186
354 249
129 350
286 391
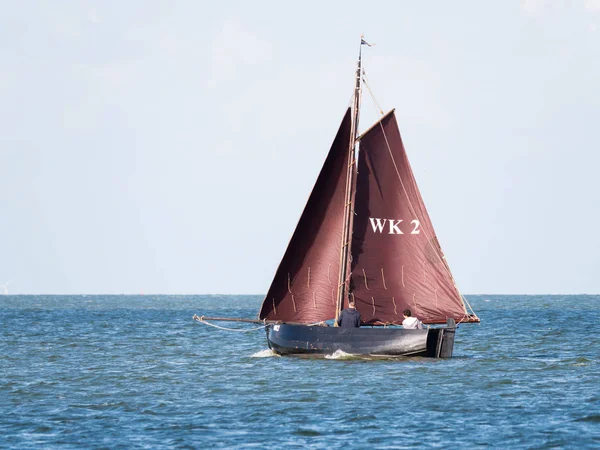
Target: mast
350 178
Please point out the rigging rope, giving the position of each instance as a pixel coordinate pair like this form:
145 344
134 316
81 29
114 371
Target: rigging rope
468 304
202 321
350 101
371 92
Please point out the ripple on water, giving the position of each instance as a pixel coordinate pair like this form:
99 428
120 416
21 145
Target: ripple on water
306 432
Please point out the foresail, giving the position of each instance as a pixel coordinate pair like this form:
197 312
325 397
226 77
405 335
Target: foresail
305 285
397 262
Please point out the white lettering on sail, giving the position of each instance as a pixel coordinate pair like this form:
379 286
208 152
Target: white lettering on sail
379 226
416 228
394 226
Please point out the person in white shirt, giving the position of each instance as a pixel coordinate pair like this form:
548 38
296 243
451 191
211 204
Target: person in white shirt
409 322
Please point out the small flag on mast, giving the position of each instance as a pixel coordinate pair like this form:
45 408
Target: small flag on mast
363 42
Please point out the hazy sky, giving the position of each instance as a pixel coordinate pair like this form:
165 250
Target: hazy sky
169 147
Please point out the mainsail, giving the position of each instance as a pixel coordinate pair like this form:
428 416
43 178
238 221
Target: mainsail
397 262
305 285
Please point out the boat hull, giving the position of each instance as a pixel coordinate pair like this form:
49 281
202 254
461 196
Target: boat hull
288 339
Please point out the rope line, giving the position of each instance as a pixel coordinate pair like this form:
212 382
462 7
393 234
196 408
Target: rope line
239 330
371 92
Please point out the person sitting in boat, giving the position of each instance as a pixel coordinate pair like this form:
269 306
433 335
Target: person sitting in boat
350 317
409 322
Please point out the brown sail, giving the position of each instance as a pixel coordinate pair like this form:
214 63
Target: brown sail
397 262
305 285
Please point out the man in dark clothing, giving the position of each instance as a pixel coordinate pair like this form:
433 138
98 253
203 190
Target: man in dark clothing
350 317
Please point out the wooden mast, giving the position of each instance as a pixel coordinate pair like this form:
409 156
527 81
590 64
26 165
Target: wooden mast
348 202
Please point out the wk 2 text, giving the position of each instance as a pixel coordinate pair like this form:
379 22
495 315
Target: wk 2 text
393 226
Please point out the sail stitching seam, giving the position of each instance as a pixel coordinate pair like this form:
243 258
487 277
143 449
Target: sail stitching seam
415 302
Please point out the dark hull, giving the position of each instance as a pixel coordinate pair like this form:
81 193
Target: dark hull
286 339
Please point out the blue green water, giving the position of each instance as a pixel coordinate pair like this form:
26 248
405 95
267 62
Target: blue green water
138 372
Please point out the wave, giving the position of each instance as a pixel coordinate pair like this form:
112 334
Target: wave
339 354
268 353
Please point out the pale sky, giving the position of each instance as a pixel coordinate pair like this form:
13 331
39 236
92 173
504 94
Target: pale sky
169 147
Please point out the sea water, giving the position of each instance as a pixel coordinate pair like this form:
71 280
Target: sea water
138 372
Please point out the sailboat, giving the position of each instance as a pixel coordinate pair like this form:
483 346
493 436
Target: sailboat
364 235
